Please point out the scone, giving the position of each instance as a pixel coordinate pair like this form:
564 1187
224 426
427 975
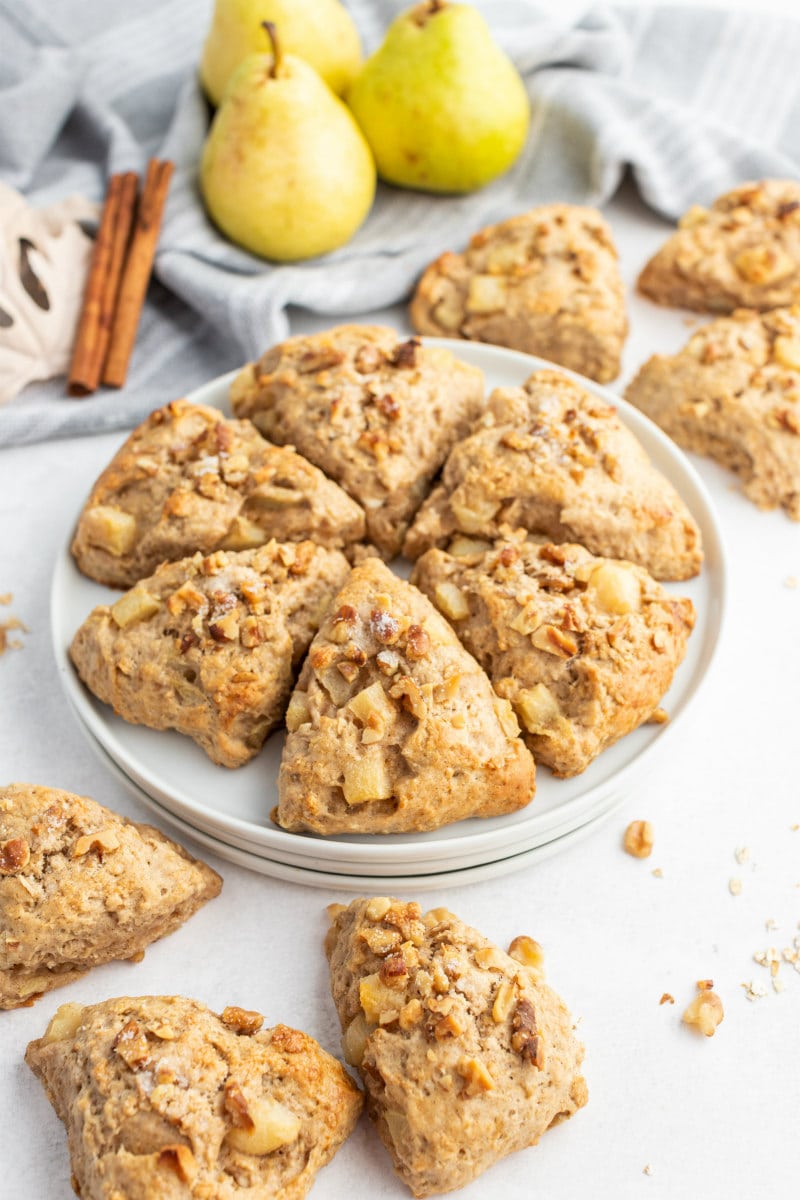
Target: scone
733 393
742 252
163 1099
583 647
375 413
393 726
81 886
546 282
188 480
554 459
465 1053
209 645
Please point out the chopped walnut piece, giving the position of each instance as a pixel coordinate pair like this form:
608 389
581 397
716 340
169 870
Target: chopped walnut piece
103 842
638 839
406 354
524 1038
418 643
529 953
407 692
476 1076
503 1001
705 1012
235 1106
393 971
241 1020
15 855
178 1158
131 1045
385 628
554 641
667 998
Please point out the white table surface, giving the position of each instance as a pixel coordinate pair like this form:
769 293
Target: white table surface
712 1117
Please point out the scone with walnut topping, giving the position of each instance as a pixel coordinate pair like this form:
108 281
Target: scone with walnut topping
546 282
465 1053
163 1099
583 647
189 480
733 393
393 726
742 252
375 413
554 459
81 886
209 645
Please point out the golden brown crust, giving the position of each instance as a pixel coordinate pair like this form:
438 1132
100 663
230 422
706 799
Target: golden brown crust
742 252
584 648
554 459
163 1098
375 413
188 480
209 645
466 1055
393 726
546 282
733 393
81 886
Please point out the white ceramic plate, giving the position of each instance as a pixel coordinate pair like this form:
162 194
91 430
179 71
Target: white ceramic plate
235 805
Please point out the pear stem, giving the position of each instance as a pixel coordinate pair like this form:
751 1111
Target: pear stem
435 6
272 34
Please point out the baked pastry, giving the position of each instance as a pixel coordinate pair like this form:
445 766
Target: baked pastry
546 282
742 252
376 413
392 725
554 459
189 480
209 645
583 647
81 886
465 1053
163 1099
733 393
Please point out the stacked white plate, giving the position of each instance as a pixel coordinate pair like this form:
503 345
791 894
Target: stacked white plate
229 811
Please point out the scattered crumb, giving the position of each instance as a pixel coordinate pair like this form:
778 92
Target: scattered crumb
659 874
659 716
6 598
778 985
790 582
770 923
638 839
647 1169
742 853
6 627
754 990
735 887
666 998
705 1013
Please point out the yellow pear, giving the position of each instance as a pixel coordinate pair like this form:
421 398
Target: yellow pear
319 31
285 171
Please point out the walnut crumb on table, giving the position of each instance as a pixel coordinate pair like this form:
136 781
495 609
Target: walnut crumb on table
667 998
705 1013
638 839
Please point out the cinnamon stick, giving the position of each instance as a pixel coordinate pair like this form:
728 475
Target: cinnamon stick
102 285
136 275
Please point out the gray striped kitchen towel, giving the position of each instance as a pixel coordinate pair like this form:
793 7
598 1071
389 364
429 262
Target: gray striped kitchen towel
694 100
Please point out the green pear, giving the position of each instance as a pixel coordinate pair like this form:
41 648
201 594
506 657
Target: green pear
285 171
442 107
319 31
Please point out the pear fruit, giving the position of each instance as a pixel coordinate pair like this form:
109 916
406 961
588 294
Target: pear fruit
321 32
442 107
286 172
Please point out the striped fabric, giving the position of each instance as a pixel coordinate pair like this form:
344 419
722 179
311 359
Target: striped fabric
693 100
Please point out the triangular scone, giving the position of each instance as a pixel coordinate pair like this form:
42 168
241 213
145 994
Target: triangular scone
554 459
374 412
81 886
583 647
163 1099
742 252
209 645
393 726
733 393
466 1055
188 480
545 282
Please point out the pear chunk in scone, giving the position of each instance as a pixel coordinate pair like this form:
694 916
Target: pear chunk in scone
209 645
393 726
465 1053
81 886
163 1099
376 413
189 480
554 459
584 648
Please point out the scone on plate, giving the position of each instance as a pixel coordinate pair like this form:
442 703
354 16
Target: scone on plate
81 886
209 645
163 1099
742 252
554 459
465 1053
374 412
546 282
583 647
189 480
733 393
393 726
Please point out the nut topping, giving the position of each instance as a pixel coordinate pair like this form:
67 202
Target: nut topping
241 1020
104 842
178 1158
15 855
524 1039
235 1106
